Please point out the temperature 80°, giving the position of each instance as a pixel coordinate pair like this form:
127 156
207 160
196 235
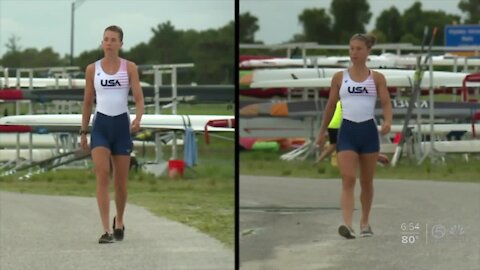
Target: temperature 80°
409 239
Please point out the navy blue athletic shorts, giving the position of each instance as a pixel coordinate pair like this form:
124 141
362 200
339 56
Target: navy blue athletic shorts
358 137
112 132
332 135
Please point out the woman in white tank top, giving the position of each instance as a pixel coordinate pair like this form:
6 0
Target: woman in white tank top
110 79
357 88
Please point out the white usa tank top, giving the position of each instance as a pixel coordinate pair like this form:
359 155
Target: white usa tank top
358 98
112 90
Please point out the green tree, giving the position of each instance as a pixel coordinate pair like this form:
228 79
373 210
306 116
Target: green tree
387 23
380 36
410 38
439 19
414 20
412 24
87 57
214 56
13 55
140 54
317 26
190 38
12 45
166 43
472 8
248 25
31 57
350 17
46 57
11 59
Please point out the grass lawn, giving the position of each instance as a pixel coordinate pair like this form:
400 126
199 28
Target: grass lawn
269 164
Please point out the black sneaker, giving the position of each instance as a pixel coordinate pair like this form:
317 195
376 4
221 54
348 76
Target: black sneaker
106 238
117 233
366 231
346 232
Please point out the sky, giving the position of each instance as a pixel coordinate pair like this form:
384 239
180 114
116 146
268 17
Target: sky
47 23
278 19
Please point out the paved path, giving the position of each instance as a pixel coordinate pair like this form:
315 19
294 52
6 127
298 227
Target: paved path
291 223
57 232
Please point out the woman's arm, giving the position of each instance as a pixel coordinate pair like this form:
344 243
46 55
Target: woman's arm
137 95
332 101
87 97
330 107
384 96
87 105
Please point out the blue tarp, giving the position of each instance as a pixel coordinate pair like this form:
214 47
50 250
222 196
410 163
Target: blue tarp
190 148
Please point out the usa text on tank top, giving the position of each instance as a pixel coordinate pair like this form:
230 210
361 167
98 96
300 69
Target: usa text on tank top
358 98
112 89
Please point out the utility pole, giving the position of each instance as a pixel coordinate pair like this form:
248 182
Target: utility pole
79 2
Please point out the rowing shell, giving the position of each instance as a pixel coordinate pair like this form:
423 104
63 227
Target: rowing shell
149 121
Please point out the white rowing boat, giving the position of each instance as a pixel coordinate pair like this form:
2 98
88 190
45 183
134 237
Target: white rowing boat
464 146
149 121
321 78
374 61
306 127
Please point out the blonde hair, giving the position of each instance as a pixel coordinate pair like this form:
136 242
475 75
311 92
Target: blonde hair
369 39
